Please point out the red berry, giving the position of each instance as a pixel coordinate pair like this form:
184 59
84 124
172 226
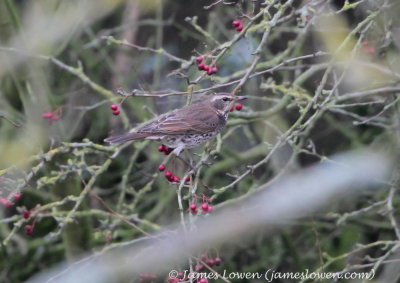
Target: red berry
214 69
203 280
210 72
198 267
17 196
232 108
26 214
239 28
168 174
116 112
114 107
162 148
217 261
211 262
187 180
193 206
5 202
201 67
161 167
29 230
168 150
176 179
171 178
199 59
47 115
239 107
365 43
236 23
206 68
204 206
210 208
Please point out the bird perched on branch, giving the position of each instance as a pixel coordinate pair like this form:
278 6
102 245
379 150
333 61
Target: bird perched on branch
187 127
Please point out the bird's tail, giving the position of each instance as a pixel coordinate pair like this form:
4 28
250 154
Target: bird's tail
126 137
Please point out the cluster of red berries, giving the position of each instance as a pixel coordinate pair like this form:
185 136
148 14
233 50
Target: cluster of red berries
203 67
163 148
205 208
8 202
171 177
238 107
115 109
209 261
238 25
368 49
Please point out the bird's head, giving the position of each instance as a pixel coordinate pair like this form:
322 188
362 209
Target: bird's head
223 102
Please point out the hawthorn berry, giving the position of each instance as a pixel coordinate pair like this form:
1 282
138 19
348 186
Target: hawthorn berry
168 174
114 107
26 214
214 69
236 23
17 196
203 280
162 148
193 208
168 150
176 179
199 59
204 207
51 116
29 230
201 66
211 262
238 107
116 112
210 208
239 28
206 68
232 108
217 261
47 115
187 180
5 202
161 168
198 267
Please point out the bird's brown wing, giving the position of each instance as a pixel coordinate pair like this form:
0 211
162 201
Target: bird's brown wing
192 119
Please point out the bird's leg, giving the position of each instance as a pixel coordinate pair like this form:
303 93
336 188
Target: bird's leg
178 149
186 162
191 161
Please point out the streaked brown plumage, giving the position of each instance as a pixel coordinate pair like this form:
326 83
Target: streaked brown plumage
187 127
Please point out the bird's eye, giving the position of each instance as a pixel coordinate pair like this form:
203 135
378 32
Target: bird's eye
225 99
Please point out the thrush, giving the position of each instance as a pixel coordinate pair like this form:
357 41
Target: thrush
187 127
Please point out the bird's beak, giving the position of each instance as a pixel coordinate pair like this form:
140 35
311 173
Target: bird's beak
238 98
